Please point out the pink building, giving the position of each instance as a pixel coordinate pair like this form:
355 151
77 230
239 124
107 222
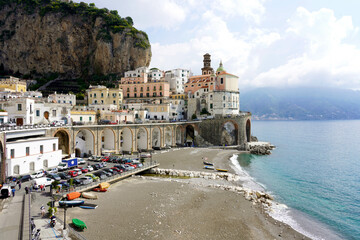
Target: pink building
146 90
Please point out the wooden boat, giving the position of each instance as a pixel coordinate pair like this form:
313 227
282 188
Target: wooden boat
89 195
88 206
73 195
209 167
99 189
221 170
104 185
208 163
71 203
78 223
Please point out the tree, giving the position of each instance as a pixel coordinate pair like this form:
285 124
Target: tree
130 21
193 116
204 111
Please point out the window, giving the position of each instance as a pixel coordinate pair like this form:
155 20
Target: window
41 149
128 95
80 118
147 94
141 89
54 113
141 94
54 146
154 94
12 153
94 94
114 102
154 88
38 113
128 90
64 101
160 88
102 95
89 119
135 89
147 89
27 151
135 95
160 93
211 105
90 95
19 107
222 80
58 101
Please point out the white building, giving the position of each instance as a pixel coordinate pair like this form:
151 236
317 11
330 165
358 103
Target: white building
48 112
84 117
20 110
30 155
177 109
155 74
223 103
62 98
177 79
139 72
4 118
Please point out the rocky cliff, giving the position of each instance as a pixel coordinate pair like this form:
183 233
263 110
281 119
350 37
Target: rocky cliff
73 40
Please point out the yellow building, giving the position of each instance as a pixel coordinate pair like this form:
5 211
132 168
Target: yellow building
105 96
12 84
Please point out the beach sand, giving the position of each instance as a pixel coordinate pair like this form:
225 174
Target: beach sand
162 208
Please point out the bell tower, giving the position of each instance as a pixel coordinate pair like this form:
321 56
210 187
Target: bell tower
207 69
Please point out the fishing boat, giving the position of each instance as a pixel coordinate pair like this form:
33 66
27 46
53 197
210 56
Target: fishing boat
73 195
88 206
221 170
104 185
99 189
208 163
89 195
78 223
209 167
71 203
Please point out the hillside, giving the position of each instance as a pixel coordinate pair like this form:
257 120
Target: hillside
51 39
302 103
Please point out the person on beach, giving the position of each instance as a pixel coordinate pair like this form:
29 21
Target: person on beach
19 185
26 190
42 209
13 192
41 187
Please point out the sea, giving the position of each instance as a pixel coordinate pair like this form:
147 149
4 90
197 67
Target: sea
313 173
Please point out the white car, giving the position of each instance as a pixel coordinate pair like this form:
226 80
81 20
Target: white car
81 161
90 168
38 174
79 172
53 170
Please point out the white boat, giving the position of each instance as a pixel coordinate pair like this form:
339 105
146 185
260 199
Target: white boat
89 195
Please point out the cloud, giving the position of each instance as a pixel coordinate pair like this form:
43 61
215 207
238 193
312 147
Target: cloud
327 59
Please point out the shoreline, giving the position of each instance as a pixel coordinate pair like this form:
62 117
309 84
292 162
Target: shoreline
153 199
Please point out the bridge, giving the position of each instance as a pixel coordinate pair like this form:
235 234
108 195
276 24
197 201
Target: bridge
131 138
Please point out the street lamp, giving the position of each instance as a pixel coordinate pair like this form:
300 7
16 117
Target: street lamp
65 217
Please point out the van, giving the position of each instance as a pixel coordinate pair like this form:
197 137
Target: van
5 191
42 181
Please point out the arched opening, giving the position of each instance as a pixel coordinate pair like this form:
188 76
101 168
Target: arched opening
77 152
248 130
84 141
190 136
32 166
179 138
16 169
64 141
168 136
107 141
142 139
45 163
126 138
156 138
46 115
229 134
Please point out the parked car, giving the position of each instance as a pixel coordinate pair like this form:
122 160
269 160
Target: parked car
94 178
120 166
73 173
53 170
79 172
38 174
25 178
64 176
93 158
84 169
42 181
108 170
5 191
105 159
54 176
100 174
85 180
64 184
90 168
81 161
102 164
104 121
74 181
96 166
117 169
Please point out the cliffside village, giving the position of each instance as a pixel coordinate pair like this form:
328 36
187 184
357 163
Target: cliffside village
142 96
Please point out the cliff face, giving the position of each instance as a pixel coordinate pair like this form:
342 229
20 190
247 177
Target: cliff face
68 44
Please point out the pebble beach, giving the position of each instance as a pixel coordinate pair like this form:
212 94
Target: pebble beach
152 207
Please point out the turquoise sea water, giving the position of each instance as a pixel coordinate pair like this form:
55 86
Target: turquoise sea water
315 170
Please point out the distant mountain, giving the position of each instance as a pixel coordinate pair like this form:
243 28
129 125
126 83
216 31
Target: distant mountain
301 103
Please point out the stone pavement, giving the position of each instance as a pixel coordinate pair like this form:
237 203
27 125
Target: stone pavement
10 217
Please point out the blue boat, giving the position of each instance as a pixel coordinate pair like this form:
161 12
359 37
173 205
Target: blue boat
88 206
209 167
71 203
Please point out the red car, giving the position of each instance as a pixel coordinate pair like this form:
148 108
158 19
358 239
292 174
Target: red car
105 159
73 173
116 169
84 170
131 164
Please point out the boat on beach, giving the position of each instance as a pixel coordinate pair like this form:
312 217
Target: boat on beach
71 203
99 189
208 163
209 167
221 170
88 206
104 185
89 195
73 195
78 223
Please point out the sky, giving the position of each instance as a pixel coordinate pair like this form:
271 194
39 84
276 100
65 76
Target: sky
266 43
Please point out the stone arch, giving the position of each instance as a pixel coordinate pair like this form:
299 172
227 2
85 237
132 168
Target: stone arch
108 140
142 139
190 135
64 140
229 133
168 136
85 142
248 130
156 138
126 140
179 136
77 152
16 169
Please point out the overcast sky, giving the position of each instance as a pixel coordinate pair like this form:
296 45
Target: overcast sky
264 42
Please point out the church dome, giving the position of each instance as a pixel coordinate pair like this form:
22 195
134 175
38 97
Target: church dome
220 68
